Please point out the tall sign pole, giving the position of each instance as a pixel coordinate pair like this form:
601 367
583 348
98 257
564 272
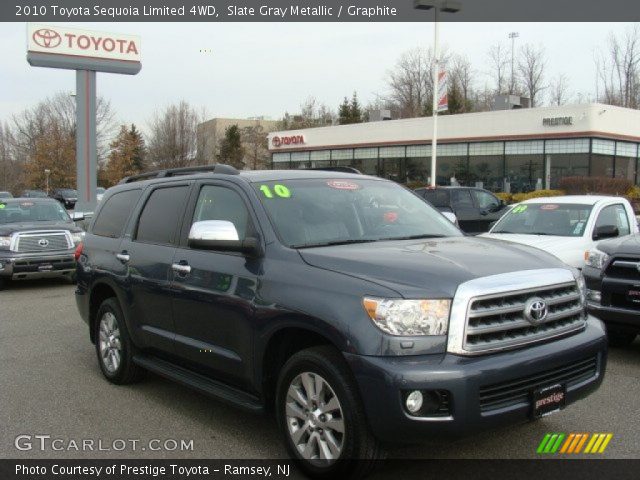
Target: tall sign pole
86 52
436 95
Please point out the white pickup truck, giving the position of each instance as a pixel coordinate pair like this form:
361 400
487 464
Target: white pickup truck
566 226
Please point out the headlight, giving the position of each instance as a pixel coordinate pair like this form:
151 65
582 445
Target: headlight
409 317
596 259
5 243
77 237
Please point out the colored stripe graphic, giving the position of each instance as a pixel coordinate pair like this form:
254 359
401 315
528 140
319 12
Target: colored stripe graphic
573 443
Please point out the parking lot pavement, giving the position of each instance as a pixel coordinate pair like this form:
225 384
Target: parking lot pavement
50 384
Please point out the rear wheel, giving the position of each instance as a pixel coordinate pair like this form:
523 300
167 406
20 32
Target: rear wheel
3 283
114 347
321 416
620 339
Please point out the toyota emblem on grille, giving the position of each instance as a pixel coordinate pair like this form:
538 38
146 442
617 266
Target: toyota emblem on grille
43 242
535 310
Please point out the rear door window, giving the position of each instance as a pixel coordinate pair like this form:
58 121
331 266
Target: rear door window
113 216
161 215
461 198
437 198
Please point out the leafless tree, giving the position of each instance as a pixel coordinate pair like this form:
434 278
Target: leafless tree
463 76
254 140
172 139
559 90
531 69
619 70
499 61
312 114
9 173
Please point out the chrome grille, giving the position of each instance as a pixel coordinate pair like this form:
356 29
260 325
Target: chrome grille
29 242
498 321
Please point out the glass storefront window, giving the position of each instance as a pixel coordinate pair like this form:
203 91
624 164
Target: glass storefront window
368 166
393 169
625 167
418 169
452 167
523 172
601 165
568 165
489 170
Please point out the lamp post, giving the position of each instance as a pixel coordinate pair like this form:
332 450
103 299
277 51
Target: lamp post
512 36
47 172
438 6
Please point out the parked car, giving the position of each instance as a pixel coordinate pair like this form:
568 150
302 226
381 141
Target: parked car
67 196
356 310
4 194
37 240
612 273
99 194
474 208
566 226
33 194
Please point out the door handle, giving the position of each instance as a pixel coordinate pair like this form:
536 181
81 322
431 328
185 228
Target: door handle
181 269
123 257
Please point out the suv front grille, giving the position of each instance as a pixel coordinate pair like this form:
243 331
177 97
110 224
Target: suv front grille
625 268
498 321
42 242
518 391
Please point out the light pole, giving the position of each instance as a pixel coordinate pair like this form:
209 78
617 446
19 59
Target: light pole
47 172
439 6
512 36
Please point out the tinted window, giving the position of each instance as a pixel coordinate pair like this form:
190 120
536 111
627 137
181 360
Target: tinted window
461 198
113 216
615 215
485 200
29 211
220 203
437 198
161 214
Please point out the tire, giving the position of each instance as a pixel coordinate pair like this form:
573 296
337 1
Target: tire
620 339
73 278
3 283
356 449
112 336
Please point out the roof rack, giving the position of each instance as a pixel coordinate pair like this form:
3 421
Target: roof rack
174 172
338 169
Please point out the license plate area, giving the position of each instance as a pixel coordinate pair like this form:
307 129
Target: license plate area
45 267
548 400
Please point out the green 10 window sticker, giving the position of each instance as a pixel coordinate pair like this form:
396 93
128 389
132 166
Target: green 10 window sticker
280 190
519 209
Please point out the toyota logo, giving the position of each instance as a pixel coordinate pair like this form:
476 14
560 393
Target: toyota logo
43 242
47 38
535 310
276 141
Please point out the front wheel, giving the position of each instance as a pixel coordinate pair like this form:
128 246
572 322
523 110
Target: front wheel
321 416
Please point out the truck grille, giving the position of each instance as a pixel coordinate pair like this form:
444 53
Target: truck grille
30 242
499 321
518 391
626 268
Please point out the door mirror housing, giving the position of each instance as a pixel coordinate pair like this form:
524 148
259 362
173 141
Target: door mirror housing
221 235
605 231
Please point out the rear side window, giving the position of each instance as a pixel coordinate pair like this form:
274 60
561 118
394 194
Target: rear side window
161 214
461 198
437 198
114 214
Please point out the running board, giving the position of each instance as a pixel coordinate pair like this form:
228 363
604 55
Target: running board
200 383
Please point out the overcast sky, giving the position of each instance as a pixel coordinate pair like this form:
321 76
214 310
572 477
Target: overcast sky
269 68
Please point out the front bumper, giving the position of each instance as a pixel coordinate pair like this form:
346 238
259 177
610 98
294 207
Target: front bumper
17 266
625 319
382 380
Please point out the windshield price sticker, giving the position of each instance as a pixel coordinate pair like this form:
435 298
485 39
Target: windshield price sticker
2 205
519 209
279 190
549 207
343 185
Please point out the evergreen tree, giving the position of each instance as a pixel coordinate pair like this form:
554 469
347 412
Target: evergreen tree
231 149
126 156
344 112
355 111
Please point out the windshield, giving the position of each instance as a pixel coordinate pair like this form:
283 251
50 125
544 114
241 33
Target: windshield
29 212
560 219
320 212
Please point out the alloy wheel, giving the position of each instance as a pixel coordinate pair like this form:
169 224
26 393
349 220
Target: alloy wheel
110 342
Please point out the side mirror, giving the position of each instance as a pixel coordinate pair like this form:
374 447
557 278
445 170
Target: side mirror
221 235
77 216
605 231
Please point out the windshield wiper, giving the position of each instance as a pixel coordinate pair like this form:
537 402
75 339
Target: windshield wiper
413 237
336 242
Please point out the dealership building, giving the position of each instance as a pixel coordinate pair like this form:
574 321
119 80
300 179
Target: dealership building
504 150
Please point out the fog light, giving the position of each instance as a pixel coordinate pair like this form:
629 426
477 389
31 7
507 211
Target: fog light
594 296
414 401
